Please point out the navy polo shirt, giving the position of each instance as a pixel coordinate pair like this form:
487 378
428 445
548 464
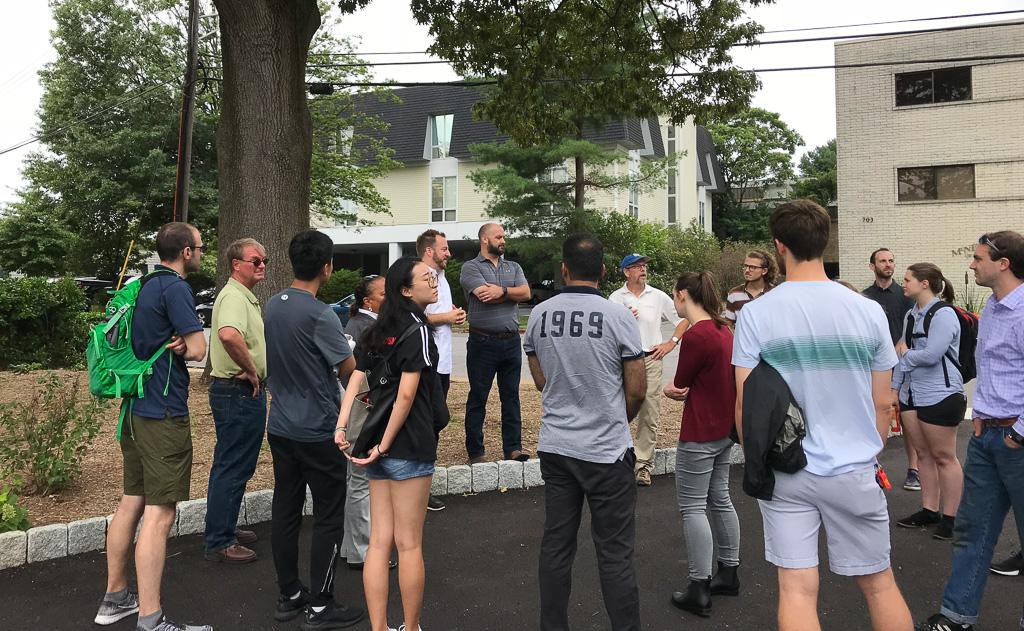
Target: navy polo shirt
165 307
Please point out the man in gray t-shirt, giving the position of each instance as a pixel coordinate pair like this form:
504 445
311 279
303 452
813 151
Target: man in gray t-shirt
585 357
494 287
306 355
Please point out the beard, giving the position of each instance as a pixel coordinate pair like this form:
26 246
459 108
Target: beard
440 263
883 275
495 250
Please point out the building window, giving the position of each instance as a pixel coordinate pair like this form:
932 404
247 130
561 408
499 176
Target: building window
671 210
671 131
634 200
700 216
930 183
442 198
933 86
441 135
557 174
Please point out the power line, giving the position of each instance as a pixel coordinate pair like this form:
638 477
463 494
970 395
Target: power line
828 38
909 20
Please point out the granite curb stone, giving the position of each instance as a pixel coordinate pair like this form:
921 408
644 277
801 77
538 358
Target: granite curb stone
13 549
439 485
86 535
485 476
510 474
192 517
531 473
47 542
258 506
460 479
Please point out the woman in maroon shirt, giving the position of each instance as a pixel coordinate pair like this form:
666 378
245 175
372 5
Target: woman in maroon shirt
705 381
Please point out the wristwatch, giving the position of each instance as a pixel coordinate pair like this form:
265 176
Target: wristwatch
675 340
504 292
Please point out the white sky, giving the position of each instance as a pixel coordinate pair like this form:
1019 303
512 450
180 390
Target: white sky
806 100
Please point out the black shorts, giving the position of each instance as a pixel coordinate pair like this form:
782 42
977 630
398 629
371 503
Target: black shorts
946 413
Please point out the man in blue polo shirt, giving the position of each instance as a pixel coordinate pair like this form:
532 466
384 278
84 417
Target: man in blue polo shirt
157 442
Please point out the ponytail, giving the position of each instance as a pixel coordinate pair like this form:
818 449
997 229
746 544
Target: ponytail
703 289
947 290
937 283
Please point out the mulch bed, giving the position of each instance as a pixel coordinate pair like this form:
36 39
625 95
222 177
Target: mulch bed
98 489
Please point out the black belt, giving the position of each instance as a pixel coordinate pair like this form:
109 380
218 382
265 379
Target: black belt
648 353
507 335
997 422
235 381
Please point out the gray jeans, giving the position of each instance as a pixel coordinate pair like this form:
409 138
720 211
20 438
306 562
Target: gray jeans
702 485
357 516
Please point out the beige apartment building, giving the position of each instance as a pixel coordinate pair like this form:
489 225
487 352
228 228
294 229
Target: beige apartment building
430 131
930 155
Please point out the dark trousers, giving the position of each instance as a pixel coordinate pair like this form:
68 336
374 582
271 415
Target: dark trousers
610 491
240 420
323 467
486 357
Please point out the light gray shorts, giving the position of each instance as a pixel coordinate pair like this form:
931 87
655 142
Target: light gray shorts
853 510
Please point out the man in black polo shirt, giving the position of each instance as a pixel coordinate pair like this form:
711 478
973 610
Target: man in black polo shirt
494 287
888 293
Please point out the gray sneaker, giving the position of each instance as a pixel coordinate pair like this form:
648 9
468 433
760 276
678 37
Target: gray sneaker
167 625
913 481
110 611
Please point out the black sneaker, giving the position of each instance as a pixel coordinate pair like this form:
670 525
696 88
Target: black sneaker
1011 566
920 519
939 622
288 608
333 616
944 531
435 503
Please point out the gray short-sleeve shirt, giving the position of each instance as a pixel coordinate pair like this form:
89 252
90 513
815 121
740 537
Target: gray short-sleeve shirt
501 317
581 340
305 344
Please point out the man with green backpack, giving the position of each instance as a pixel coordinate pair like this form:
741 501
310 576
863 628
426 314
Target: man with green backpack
159 322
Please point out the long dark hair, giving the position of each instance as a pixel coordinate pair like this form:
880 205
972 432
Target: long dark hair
703 289
361 292
394 313
938 283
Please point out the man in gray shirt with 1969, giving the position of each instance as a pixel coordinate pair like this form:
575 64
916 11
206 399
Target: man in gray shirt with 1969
494 287
586 359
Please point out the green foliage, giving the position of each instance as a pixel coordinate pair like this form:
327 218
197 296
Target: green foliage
452 273
818 175
728 269
342 283
13 516
206 277
42 322
34 244
742 223
45 439
755 149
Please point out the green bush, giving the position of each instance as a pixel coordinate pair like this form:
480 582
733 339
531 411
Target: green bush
342 283
42 322
729 270
45 439
13 516
206 276
452 273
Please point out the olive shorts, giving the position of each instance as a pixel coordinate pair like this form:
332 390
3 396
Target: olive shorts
157 458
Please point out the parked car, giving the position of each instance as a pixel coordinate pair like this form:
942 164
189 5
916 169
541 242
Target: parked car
539 292
342 308
204 306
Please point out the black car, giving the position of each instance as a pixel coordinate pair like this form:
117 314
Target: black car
204 306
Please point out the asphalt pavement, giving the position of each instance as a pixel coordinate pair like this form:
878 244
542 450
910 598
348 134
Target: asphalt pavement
481 558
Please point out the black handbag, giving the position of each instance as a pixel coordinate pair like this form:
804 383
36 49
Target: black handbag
380 399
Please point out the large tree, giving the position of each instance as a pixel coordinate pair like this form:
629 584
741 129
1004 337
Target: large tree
563 68
755 149
818 175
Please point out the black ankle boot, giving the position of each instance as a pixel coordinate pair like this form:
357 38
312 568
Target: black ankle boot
726 581
697 598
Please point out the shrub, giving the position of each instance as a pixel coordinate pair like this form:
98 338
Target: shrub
13 516
452 273
46 438
342 283
42 322
728 269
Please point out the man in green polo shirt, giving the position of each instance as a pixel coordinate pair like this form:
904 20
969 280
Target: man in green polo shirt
238 400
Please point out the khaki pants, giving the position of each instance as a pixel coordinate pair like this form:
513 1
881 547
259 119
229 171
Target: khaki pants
647 419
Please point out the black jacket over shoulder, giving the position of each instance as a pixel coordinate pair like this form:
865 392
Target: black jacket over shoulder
773 426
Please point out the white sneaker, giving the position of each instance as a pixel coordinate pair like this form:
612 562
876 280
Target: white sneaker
402 628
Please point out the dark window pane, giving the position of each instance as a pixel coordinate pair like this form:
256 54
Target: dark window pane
914 88
956 182
671 176
916 184
671 209
952 84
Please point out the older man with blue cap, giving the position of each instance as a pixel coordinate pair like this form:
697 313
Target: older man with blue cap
649 306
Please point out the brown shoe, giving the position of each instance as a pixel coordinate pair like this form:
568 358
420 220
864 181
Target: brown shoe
478 459
234 554
517 455
643 477
246 537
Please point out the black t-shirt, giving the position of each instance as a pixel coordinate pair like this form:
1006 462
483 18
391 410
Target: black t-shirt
894 303
416 439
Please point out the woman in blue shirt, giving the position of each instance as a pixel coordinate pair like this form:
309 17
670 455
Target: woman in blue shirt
931 395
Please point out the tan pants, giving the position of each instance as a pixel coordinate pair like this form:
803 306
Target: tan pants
647 419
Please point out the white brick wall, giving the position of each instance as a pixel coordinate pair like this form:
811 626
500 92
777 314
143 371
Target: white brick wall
875 138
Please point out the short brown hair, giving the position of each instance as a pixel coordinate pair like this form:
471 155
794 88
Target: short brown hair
876 252
427 240
237 248
802 226
1009 245
173 238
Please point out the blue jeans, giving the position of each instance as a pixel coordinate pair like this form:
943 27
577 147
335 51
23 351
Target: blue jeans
992 485
486 357
240 420
398 469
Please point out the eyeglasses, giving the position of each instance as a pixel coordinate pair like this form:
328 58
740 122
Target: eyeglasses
638 266
993 248
751 268
256 261
431 281
202 247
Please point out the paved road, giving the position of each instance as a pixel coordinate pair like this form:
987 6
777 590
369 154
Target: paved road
481 556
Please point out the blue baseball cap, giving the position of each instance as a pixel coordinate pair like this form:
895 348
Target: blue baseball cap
633 259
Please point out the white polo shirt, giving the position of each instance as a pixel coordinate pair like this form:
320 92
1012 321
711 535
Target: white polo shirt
652 306
442 332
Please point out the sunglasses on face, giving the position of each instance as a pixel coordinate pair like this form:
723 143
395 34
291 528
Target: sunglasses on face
256 261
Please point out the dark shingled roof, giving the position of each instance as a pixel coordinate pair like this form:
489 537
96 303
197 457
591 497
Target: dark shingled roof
712 178
409 116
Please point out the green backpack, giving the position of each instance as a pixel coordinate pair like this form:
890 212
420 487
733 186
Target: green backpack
114 370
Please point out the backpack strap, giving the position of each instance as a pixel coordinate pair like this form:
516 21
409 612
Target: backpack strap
927 325
415 326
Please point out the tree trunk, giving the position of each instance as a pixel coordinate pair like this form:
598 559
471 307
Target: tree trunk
264 138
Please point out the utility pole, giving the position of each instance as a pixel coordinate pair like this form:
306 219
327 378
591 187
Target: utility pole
188 100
